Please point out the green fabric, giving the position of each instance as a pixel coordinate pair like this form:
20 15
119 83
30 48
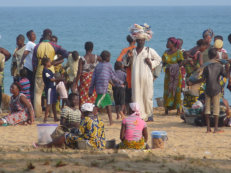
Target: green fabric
103 100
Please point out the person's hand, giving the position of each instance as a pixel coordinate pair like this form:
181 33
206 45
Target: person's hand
189 83
147 60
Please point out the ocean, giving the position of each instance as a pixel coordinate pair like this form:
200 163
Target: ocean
107 28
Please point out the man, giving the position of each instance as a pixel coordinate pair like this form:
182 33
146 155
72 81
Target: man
27 56
122 57
44 49
144 61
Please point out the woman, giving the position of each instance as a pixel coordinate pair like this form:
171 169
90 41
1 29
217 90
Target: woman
86 68
207 36
172 59
17 56
91 131
21 108
133 133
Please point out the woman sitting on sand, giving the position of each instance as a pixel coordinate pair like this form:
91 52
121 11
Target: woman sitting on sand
91 130
21 108
134 133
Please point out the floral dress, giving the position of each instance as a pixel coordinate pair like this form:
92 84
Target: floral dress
172 101
91 130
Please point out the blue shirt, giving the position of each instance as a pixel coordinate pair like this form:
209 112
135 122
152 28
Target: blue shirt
103 73
47 76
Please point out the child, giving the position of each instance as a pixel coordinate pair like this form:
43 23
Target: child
218 44
25 83
211 76
102 75
61 90
50 89
118 91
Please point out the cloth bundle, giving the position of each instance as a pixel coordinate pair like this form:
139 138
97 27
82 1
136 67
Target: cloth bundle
141 31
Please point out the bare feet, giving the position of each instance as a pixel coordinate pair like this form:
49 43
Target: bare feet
45 120
208 131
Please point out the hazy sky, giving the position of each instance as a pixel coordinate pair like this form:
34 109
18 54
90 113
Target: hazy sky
112 2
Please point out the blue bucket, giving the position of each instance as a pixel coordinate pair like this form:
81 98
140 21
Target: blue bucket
159 134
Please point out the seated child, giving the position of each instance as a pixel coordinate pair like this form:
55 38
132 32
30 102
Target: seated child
103 73
25 83
50 89
119 91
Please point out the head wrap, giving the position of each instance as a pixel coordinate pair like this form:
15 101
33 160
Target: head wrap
208 32
175 41
141 31
218 44
87 107
136 108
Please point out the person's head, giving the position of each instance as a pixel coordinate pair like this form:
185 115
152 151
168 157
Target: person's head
218 44
47 33
118 65
87 109
212 53
75 55
208 35
134 108
229 38
130 39
15 88
202 45
218 37
54 39
23 73
20 40
140 42
89 46
73 99
172 43
105 55
31 35
46 62
180 43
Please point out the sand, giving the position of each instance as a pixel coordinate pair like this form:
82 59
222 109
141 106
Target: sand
188 149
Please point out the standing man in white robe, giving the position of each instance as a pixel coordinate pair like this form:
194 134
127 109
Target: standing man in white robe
144 61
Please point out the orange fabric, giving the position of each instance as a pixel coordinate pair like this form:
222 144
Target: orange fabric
128 70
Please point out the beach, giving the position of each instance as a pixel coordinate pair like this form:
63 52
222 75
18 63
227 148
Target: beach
188 149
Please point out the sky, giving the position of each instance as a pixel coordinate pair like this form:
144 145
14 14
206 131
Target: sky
72 3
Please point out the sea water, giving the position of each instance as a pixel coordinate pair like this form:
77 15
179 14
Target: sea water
108 27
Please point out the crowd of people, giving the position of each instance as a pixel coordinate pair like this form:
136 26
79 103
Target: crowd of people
43 82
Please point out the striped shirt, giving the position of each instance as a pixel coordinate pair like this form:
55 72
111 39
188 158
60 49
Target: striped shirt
134 127
102 75
25 85
70 116
120 75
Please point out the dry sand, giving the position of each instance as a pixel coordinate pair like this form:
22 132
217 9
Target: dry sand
189 149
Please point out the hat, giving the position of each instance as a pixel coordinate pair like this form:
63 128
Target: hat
141 31
218 44
87 107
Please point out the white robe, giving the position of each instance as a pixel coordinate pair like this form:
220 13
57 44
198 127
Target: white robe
142 80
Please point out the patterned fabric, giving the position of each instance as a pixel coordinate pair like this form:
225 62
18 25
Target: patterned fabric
138 145
190 68
91 130
85 80
103 100
171 101
70 116
18 113
25 84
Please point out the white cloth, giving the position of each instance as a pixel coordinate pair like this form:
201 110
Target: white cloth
28 60
87 107
61 89
142 80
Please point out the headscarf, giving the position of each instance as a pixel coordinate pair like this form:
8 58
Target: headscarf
208 32
218 44
175 41
141 32
87 107
136 108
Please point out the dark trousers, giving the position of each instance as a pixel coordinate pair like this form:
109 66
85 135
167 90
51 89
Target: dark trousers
30 77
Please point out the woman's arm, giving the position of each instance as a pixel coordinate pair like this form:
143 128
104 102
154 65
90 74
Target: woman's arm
200 58
6 53
28 105
76 80
145 134
122 132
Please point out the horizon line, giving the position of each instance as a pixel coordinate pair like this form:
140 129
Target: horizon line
121 6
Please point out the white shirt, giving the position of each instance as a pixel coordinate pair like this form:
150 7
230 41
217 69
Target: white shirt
28 60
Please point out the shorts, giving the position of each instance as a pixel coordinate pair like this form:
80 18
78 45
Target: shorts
103 100
61 90
119 95
216 104
128 95
51 95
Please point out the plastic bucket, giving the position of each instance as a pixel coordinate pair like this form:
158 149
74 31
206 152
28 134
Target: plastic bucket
44 132
158 139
